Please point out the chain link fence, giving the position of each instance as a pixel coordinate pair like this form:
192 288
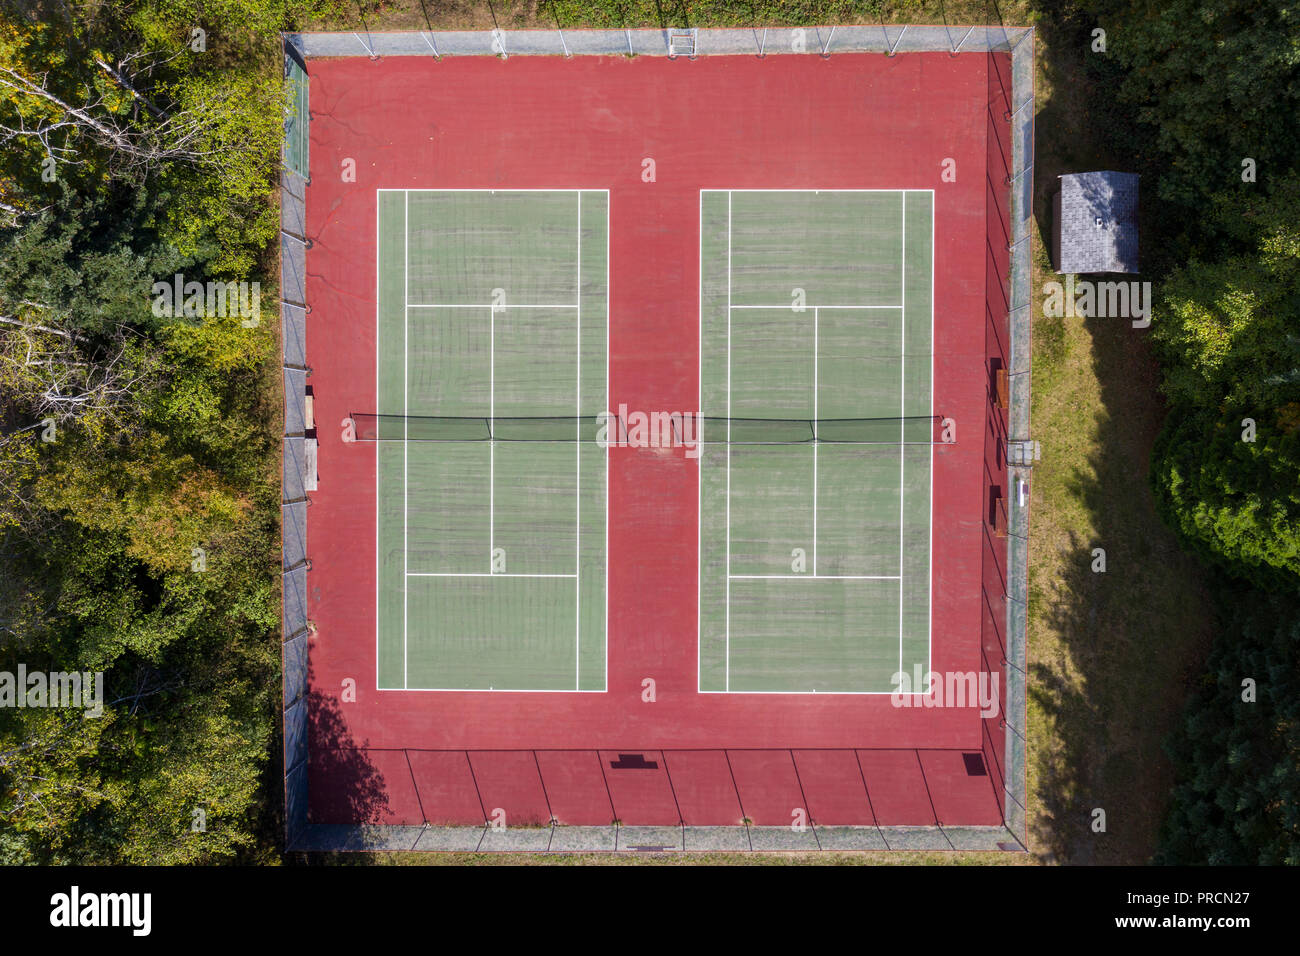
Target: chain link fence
300 48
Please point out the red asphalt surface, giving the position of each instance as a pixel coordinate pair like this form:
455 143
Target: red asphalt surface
848 121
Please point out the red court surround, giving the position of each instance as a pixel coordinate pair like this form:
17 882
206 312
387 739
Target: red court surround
847 121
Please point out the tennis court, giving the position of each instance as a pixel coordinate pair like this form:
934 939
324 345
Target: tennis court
816 331
492 344
640 378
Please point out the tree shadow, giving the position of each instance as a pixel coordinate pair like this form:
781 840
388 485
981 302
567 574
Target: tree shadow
424 11
345 787
675 17
1134 635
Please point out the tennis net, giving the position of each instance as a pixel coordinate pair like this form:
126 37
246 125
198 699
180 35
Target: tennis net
651 429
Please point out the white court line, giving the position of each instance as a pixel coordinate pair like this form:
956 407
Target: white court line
498 690
786 307
605 555
929 567
699 467
810 189
406 418
807 693
701 441
523 189
480 574
815 577
727 660
378 352
492 445
577 483
473 305
902 425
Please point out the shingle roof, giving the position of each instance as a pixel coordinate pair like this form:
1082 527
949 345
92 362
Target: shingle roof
1098 227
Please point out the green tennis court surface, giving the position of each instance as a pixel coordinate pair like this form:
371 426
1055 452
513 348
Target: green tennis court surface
491 551
816 309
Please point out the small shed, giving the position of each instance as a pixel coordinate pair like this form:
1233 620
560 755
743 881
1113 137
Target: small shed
1096 223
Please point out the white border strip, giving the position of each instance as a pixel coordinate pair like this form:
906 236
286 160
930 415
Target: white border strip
823 40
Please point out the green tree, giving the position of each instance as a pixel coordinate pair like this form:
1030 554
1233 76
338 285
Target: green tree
1236 503
1237 800
164 431
1226 468
1211 82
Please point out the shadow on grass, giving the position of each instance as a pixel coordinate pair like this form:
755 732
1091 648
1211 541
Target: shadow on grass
1134 635
1112 653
